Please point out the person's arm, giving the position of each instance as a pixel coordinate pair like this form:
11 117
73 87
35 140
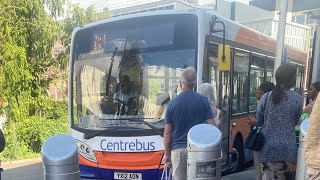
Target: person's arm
261 109
308 108
211 121
209 114
167 143
298 112
167 135
251 120
220 117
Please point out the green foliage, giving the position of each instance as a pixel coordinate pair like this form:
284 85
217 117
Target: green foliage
27 35
15 81
25 137
15 148
52 109
33 131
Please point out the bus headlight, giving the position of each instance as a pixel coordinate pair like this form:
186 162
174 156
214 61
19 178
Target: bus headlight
86 152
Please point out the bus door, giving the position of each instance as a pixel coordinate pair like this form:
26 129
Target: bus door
220 82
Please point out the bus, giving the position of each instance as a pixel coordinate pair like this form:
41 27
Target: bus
124 70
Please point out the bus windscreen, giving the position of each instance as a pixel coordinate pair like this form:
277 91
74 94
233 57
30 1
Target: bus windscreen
129 69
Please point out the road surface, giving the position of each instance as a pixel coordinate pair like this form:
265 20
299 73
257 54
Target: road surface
35 172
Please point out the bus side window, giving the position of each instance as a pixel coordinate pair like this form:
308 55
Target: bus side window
257 71
269 69
240 82
300 78
214 73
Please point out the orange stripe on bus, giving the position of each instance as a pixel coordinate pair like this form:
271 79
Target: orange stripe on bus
86 162
134 160
261 41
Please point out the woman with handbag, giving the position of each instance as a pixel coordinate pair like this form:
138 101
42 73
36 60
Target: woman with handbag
279 115
261 90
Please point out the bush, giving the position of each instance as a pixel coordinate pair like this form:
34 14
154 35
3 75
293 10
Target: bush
15 148
52 109
34 131
25 137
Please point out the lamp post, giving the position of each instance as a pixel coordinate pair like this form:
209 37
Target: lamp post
281 34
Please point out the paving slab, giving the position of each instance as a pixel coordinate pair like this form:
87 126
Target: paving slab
245 175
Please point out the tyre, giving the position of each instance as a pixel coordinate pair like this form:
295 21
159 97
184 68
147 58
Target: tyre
236 157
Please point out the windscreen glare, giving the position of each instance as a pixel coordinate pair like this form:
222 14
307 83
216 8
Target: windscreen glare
129 69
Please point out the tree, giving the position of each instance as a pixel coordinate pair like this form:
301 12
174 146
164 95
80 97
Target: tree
76 17
27 34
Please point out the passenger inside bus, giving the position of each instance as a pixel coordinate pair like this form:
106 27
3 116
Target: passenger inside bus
124 97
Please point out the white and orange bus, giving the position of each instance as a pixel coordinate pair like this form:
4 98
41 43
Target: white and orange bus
124 70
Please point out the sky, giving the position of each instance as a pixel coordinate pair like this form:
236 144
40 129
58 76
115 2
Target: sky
100 4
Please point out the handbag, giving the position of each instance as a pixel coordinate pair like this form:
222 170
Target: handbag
255 140
166 173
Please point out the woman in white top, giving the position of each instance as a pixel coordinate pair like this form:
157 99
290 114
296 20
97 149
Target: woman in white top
207 90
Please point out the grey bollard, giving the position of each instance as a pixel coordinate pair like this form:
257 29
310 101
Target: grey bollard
301 172
60 158
204 153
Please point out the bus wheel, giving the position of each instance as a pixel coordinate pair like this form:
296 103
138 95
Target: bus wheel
236 159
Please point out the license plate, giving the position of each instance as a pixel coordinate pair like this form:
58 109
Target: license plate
127 176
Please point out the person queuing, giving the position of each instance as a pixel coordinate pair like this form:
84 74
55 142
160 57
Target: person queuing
183 112
261 90
207 90
279 115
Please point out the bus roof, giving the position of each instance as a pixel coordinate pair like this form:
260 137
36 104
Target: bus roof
243 35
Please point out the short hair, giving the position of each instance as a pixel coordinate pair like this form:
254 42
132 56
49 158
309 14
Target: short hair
316 85
188 77
266 87
125 78
207 90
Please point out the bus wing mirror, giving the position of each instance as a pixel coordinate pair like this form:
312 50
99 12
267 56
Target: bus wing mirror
224 58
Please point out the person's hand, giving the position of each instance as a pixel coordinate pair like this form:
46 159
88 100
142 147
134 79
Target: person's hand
251 120
308 109
167 159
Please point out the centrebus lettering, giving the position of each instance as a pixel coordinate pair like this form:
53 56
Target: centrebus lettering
121 145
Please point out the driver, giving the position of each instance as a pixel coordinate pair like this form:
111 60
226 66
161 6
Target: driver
123 97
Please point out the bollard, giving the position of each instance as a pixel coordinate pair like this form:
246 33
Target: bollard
204 153
301 164
60 158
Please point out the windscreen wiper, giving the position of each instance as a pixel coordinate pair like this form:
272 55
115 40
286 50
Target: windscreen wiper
110 70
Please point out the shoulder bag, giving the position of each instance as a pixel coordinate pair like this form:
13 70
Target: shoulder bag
255 140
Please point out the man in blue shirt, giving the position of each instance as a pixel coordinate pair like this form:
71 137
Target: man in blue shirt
183 112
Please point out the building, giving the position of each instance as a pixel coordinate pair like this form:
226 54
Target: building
125 7
297 35
58 86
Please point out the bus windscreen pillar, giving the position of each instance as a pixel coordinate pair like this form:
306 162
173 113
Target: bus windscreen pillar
204 153
301 172
60 158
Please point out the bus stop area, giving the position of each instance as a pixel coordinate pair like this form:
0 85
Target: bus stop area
33 170
244 175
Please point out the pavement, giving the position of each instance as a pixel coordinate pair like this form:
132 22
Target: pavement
20 163
244 175
32 169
